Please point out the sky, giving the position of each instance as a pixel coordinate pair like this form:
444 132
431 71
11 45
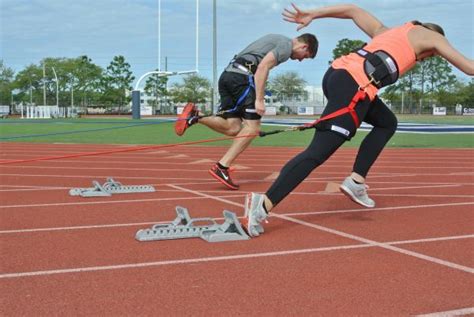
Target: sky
31 30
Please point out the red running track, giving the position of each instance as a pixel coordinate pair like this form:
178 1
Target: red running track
321 254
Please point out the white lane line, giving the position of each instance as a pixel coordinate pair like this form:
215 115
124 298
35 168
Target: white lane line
327 165
421 195
377 209
466 236
450 313
33 189
111 202
236 195
415 187
182 261
68 188
361 239
247 159
379 244
389 209
203 182
30 186
214 259
79 227
389 195
50 188
206 196
101 176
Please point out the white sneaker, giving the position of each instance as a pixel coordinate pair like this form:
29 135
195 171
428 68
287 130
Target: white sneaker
255 214
356 192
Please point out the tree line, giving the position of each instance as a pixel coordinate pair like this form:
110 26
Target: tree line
82 83
79 81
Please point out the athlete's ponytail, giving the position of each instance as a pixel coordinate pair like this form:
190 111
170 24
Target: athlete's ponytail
430 26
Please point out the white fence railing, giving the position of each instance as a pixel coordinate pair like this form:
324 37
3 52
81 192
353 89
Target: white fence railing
46 112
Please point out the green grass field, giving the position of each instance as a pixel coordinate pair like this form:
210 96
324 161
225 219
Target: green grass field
127 131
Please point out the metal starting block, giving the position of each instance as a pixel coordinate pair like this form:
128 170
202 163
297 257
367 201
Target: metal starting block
110 187
184 227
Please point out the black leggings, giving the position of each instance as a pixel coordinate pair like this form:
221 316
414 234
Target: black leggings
339 88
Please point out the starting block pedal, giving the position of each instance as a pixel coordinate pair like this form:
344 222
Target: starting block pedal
110 187
185 227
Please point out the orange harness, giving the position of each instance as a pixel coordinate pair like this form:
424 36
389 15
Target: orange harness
360 95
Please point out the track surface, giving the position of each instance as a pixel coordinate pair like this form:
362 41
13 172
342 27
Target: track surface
321 254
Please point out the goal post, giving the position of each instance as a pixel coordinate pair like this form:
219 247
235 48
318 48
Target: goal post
136 99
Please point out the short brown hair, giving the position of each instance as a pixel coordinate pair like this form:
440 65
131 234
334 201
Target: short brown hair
430 26
312 42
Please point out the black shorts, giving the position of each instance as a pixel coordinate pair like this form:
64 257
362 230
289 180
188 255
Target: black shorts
232 86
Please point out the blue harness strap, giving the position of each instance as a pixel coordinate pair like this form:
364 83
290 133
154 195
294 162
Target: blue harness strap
244 94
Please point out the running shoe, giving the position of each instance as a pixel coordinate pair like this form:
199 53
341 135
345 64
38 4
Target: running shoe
223 176
356 192
187 118
255 214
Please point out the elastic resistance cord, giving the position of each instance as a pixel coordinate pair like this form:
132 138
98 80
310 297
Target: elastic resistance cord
133 149
360 95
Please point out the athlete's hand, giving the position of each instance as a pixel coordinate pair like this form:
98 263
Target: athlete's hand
260 107
302 18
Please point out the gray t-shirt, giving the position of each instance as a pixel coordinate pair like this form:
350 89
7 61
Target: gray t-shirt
280 45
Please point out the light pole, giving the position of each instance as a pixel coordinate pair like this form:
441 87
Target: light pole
57 87
214 55
13 92
72 93
44 83
159 35
31 94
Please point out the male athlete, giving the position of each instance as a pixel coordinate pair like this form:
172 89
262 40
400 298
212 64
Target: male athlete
242 90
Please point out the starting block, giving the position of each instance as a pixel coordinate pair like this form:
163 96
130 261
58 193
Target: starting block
110 187
185 227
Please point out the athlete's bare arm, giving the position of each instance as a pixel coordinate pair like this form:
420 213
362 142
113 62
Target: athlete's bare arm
363 19
261 75
427 43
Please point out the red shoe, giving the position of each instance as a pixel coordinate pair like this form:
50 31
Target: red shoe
223 176
186 119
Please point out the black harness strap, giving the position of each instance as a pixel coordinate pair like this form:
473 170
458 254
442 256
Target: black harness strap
250 66
379 67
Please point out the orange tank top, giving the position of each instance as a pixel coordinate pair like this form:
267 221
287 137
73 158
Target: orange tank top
394 42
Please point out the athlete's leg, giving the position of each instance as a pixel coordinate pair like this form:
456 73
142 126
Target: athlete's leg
385 125
250 128
229 126
323 145
257 206
339 88
237 103
231 87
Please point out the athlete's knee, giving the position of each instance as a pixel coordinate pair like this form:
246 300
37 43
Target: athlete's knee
323 145
252 127
315 158
233 130
253 130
